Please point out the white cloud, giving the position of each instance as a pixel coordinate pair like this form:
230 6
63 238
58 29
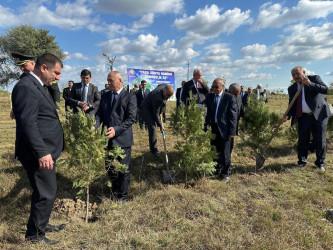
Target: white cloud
170 57
141 45
145 21
254 76
139 7
275 15
209 22
329 73
7 18
255 49
216 53
78 56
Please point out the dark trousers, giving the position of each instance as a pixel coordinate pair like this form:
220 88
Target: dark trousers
121 180
223 151
141 121
44 188
306 125
152 138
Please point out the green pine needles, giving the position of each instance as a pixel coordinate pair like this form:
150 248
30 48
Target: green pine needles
87 153
196 154
257 127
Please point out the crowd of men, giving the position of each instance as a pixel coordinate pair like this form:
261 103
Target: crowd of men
39 134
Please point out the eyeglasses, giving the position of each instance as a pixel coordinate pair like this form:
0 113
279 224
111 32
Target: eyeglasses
215 86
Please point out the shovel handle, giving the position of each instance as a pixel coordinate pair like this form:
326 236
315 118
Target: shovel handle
165 148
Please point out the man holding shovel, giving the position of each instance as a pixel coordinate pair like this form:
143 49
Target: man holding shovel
151 109
310 110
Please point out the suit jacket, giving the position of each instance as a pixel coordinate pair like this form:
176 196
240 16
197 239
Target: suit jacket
189 87
153 106
103 91
93 97
246 99
140 97
226 114
314 98
54 92
38 129
65 95
178 97
240 110
120 117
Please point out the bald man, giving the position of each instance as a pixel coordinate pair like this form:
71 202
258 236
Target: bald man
117 111
151 108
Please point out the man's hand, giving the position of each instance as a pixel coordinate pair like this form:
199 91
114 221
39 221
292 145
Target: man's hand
284 119
306 81
58 111
93 128
231 137
161 129
12 115
82 104
85 108
46 162
110 133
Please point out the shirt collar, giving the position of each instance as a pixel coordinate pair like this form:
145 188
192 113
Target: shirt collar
39 80
118 91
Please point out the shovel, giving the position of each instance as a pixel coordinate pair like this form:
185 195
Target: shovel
168 175
260 159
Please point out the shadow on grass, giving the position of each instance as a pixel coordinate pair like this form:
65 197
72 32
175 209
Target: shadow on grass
251 169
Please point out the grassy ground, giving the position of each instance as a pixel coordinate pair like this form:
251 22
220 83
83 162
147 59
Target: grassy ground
280 207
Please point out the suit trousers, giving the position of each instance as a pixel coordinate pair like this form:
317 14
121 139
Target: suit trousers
306 125
44 188
152 138
121 180
223 151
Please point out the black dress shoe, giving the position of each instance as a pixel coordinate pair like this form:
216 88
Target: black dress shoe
54 228
41 239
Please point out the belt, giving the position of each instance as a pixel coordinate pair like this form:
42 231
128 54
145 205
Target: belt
310 113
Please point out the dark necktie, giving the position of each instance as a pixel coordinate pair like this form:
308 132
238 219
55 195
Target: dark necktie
115 97
47 90
215 105
299 104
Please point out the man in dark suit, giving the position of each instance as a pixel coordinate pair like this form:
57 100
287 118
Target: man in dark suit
65 94
117 112
27 64
310 110
235 90
151 109
247 97
106 89
141 94
179 93
85 95
39 142
222 118
196 86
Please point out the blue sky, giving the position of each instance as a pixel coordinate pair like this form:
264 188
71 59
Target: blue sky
247 42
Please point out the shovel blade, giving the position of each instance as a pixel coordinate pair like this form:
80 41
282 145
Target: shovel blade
168 176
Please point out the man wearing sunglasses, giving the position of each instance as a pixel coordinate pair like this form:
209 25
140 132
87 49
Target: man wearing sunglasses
222 119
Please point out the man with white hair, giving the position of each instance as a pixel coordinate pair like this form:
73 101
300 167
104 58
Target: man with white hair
196 86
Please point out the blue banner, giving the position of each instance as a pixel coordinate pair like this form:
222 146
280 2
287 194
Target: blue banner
152 77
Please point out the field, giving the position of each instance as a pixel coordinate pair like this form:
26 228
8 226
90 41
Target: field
279 207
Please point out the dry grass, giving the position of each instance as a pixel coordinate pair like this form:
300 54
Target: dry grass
280 207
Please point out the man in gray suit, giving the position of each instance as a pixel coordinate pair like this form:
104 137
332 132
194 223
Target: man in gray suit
85 95
151 109
310 110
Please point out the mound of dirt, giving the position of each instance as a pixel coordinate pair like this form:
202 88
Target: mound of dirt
75 208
